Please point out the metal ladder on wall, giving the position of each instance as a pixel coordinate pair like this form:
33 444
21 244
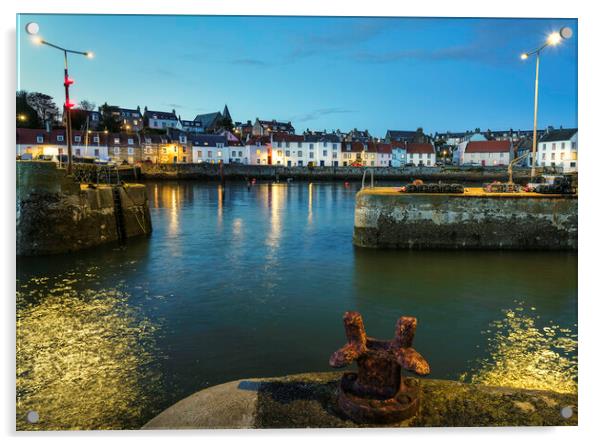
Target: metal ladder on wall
119 218
371 177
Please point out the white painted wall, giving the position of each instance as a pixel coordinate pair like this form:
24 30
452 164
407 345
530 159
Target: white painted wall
559 154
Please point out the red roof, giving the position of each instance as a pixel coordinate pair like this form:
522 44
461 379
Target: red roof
420 148
384 148
285 137
263 140
30 136
488 147
355 147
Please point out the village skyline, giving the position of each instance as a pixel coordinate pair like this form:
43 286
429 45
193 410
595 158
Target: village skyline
315 74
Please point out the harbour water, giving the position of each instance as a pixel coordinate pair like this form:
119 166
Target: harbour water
241 281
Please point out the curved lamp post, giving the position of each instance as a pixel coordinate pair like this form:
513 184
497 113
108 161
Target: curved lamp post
553 39
32 29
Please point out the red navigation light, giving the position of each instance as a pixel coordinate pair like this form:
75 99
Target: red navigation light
68 81
69 104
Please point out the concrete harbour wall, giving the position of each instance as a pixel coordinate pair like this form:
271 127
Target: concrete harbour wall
274 172
386 218
55 214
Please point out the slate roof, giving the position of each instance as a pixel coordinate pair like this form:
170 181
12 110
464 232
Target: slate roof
208 119
400 134
562 134
164 115
207 139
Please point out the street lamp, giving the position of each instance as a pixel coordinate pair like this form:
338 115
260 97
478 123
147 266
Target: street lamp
32 29
553 39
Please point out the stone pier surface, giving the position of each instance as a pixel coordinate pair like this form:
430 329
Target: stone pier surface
309 401
388 218
206 171
55 214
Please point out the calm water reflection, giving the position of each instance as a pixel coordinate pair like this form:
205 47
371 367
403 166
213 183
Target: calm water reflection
236 283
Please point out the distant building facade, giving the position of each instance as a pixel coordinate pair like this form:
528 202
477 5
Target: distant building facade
558 148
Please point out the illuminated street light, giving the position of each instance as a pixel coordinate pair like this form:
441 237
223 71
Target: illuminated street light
553 39
32 29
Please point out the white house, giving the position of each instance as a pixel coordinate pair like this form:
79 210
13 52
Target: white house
288 149
458 155
558 148
211 148
259 150
53 143
488 153
161 119
421 154
384 154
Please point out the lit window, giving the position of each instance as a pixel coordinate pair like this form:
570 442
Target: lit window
130 150
39 139
258 152
130 142
219 154
116 140
96 139
59 138
77 138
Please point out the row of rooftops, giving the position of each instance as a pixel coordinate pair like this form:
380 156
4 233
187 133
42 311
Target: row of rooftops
58 137
548 134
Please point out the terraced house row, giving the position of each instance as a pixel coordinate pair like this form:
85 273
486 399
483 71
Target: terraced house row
175 146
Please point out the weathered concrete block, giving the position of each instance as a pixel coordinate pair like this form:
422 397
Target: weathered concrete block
57 215
310 401
387 218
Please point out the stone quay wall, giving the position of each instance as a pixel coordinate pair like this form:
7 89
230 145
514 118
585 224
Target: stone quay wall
310 401
55 214
275 172
386 218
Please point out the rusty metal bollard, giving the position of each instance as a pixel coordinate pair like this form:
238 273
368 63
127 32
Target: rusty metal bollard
378 393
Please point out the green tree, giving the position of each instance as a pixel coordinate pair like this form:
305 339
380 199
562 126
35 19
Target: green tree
27 117
225 123
86 105
107 119
44 106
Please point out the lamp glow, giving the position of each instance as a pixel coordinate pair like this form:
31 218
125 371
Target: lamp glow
524 56
90 55
554 38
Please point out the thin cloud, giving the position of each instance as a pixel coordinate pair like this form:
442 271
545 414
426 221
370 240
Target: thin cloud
320 112
250 62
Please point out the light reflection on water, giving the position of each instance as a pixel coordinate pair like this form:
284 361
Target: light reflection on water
84 358
237 283
523 355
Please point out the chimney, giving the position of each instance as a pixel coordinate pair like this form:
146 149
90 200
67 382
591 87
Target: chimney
48 126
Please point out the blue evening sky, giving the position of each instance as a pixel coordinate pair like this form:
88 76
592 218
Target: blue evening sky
318 72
